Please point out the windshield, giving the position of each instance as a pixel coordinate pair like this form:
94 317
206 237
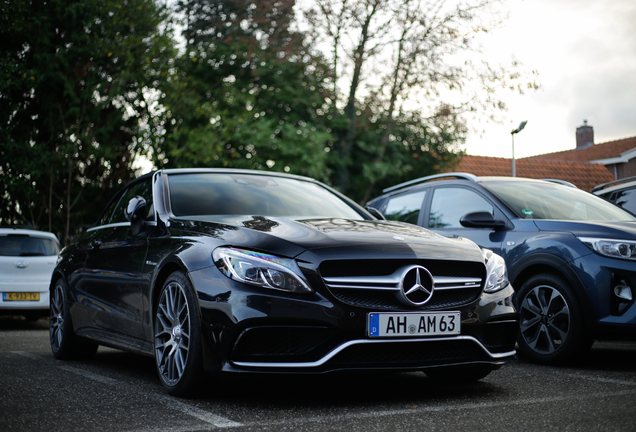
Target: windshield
543 200
246 194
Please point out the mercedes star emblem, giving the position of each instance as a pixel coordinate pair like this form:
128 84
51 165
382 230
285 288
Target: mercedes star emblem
416 286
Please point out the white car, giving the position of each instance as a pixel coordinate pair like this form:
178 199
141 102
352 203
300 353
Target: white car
27 260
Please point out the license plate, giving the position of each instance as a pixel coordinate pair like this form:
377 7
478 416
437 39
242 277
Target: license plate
21 296
388 324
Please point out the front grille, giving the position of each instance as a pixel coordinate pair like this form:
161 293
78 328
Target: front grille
387 267
375 284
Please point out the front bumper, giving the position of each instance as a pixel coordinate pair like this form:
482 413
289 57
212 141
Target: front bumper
248 330
614 317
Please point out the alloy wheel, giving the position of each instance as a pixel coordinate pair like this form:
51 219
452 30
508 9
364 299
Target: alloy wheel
172 333
56 317
545 319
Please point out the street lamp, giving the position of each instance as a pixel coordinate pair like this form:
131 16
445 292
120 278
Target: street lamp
516 131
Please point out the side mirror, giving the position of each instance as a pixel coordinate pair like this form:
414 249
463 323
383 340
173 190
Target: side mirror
481 219
375 213
136 213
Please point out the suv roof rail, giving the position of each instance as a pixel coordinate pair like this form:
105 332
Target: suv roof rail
604 185
458 175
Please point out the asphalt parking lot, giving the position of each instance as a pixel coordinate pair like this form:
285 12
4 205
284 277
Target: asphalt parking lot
120 391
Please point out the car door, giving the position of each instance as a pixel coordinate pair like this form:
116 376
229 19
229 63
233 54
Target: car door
112 282
447 206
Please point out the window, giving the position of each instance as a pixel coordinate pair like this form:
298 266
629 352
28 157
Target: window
25 245
626 199
405 208
450 204
251 194
115 213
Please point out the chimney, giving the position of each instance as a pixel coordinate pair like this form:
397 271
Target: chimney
584 135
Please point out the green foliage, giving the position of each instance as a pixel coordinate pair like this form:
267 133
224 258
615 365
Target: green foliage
246 92
414 147
73 95
89 86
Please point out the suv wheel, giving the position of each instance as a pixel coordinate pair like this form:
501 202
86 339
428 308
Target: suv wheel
551 323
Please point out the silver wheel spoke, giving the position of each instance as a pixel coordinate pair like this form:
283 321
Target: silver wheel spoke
56 319
545 319
172 333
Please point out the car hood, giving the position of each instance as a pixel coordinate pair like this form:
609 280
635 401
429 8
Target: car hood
616 230
336 237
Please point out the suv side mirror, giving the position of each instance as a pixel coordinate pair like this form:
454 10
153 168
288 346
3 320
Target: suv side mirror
481 219
135 213
375 213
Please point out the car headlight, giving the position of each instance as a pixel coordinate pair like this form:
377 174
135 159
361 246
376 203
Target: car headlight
260 269
624 249
496 276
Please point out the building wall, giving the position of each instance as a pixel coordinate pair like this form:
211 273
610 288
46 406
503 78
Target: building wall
623 170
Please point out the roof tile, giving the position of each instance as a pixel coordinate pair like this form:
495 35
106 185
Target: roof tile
583 175
606 150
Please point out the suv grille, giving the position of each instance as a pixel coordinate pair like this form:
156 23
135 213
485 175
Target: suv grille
376 283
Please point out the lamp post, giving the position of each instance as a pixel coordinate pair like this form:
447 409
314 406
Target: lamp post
516 131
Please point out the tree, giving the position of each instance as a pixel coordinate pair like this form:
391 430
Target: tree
395 58
247 92
74 99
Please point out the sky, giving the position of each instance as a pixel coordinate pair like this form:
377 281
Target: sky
585 53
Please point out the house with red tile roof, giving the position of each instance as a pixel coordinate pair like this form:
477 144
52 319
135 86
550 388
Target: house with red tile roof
583 175
586 166
618 157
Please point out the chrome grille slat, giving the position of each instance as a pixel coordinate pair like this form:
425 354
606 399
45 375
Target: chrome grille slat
363 290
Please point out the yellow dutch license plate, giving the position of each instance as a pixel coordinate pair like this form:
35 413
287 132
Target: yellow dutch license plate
21 296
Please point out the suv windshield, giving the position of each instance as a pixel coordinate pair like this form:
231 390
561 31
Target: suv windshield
24 245
245 194
538 200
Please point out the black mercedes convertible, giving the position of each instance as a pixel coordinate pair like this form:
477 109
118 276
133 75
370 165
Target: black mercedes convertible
212 270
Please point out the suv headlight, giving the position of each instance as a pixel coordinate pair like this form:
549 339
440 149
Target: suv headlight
496 276
260 269
624 249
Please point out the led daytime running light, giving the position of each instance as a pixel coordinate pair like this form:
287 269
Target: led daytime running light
496 275
264 270
623 249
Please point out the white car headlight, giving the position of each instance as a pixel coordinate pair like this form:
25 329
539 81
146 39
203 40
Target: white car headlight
496 275
260 269
625 249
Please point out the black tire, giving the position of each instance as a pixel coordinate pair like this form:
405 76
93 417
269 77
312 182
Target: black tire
65 344
178 346
551 327
460 374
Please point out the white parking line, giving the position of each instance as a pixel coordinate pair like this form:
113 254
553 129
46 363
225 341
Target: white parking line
598 379
298 422
441 408
204 415
175 404
221 422
91 375
26 354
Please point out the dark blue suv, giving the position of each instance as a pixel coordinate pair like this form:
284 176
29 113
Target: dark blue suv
571 255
